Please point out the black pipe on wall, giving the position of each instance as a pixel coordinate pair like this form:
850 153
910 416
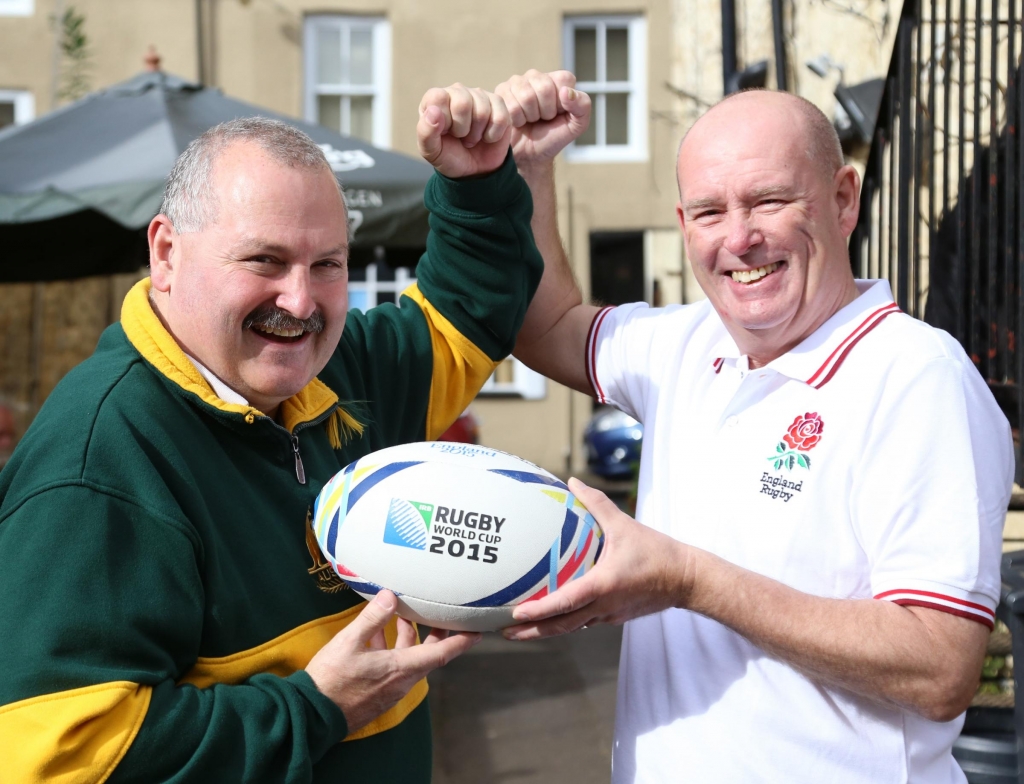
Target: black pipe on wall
729 46
778 30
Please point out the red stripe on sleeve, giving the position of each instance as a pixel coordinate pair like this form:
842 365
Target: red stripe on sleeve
972 616
595 327
933 595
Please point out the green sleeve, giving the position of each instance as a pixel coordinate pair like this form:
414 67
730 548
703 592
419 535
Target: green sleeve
106 602
482 267
411 370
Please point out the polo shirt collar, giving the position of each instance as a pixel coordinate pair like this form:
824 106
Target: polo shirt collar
816 359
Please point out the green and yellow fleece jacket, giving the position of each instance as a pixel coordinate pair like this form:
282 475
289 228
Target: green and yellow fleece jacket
160 593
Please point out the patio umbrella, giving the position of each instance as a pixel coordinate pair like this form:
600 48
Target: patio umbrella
79 185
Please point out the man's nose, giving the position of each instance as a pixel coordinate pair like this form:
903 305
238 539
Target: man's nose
295 295
741 234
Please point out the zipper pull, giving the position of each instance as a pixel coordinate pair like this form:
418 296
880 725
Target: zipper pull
300 472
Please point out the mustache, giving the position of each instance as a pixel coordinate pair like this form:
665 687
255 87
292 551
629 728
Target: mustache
270 317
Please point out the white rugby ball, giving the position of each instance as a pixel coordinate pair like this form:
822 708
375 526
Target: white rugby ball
460 533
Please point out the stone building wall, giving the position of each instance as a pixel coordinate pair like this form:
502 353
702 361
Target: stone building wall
48 328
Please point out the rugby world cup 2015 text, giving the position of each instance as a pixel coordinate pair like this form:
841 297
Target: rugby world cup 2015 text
460 533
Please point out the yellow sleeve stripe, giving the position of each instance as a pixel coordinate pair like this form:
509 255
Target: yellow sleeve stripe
460 368
71 737
291 652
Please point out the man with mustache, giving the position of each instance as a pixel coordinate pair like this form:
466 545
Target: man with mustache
823 480
166 613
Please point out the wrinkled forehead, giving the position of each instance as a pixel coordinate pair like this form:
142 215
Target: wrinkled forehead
742 161
249 184
758 129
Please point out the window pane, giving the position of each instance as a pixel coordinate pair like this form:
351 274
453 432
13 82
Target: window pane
586 54
616 118
505 373
589 137
384 272
360 67
6 114
617 52
328 111
360 122
357 299
328 56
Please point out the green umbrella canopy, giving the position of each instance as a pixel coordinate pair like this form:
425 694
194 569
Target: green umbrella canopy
78 186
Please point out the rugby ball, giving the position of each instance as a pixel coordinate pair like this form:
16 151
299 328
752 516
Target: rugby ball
460 533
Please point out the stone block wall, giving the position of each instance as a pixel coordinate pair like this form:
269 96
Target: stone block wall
48 328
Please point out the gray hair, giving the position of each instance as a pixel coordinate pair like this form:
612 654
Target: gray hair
189 200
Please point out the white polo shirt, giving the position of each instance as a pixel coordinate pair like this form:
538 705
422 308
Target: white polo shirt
871 461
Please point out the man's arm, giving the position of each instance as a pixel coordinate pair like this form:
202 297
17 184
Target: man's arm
547 114
464 133
915 658
923 521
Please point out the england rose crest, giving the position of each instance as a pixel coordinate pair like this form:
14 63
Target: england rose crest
803 435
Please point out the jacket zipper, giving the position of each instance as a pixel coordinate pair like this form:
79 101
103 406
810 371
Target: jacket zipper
300 471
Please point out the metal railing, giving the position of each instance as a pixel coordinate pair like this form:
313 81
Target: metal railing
941 213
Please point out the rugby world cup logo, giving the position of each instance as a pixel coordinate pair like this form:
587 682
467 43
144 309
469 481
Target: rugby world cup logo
408 523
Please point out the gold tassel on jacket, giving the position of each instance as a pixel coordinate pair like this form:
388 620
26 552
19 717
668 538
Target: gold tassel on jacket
342 427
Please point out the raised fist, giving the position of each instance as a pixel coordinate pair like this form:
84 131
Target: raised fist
547 113
463 131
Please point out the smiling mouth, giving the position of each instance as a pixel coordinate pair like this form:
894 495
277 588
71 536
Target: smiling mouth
278 335
750 276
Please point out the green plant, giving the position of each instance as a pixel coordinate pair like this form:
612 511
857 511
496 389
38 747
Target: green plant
75 56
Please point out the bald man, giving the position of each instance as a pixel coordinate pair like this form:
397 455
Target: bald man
811 583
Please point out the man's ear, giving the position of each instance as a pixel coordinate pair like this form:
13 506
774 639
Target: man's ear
847 190
163 252
681 220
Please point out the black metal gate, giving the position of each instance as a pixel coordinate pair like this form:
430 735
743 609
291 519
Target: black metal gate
941 213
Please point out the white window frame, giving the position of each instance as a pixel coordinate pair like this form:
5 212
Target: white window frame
24 104
527 384
17 7
636 87
380 90
373 287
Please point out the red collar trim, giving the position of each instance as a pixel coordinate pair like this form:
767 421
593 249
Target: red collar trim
829 367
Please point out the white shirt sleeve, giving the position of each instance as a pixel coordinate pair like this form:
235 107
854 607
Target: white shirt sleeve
619 349
930 492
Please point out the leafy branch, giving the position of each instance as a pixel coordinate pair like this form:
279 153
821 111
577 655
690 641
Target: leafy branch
74 47
788 458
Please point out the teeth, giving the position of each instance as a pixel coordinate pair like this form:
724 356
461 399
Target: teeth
749 276
283 333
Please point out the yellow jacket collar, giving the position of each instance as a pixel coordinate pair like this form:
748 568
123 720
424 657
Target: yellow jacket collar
156 345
